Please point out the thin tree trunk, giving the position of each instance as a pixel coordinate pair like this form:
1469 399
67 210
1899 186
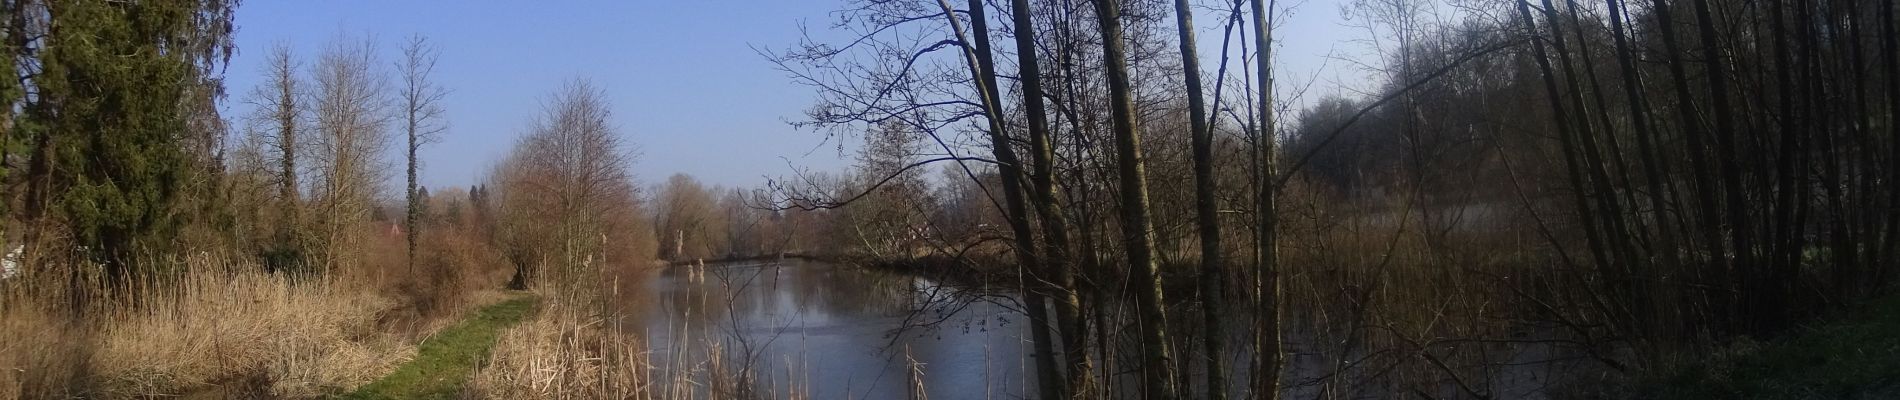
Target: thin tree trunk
1602 224
1710 218
1741 233
1573 161
1136 226
1266 291
1784 242
414 214
1661 192
1056 259
1890 51
10 95
979 58
1206 214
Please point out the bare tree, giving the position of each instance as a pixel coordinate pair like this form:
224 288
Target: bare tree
279 107
422 117
683 219
352 133
1057 262
1206 214
1266 285
980 58
889 220
1137 239
572 169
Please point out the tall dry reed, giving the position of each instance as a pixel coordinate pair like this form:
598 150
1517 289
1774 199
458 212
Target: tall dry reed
210 326
578 347
221 326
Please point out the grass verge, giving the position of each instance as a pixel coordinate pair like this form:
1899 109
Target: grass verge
447 360
1856 356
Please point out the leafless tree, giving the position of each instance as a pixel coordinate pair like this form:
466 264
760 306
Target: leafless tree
684 219
1266 286
566 182
279 110
421 103
1158 369
351 112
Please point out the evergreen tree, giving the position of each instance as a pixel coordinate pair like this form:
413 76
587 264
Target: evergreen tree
111 116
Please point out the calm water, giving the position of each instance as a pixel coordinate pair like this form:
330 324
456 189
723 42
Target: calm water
840 331
825 331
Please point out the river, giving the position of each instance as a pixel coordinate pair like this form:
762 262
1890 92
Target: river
804 329
827 331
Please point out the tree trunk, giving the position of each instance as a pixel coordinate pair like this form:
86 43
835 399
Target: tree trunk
1602 224
1661 192
979 58
1709 218
1784 237
1207 217
1157 371
1266 292
10 51
1741 233
1055 229
1890 63
286 115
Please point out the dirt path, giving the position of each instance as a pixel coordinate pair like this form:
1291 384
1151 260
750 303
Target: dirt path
446 360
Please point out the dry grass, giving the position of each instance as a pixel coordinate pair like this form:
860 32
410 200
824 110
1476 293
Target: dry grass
573 347
221 327
1452 300
217 327
563 353
576 347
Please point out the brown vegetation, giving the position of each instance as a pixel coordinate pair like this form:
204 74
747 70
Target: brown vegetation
219 325
1513 188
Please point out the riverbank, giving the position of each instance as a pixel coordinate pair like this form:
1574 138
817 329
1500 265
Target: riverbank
1855 355
571 347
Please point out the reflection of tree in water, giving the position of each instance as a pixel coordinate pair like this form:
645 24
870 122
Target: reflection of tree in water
684 295
934 307
763 296
844 291
760 295
754 317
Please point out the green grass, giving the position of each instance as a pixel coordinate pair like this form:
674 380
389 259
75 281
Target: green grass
446 360
1855 356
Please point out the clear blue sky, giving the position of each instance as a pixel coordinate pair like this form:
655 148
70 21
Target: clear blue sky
687 88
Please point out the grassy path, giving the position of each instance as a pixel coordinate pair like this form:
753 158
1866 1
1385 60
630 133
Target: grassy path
446 360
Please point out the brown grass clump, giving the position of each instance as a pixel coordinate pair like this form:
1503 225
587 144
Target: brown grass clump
306 339
39 356
214 326
567 349
576 347
564 352
221 326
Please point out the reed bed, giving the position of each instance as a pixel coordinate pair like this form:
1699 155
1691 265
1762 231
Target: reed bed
213 325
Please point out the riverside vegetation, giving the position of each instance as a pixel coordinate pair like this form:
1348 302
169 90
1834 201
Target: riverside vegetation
1546 199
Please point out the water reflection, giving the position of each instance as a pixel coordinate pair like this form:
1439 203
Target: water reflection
826 331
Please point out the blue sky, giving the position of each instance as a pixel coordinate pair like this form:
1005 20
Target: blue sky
687 88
